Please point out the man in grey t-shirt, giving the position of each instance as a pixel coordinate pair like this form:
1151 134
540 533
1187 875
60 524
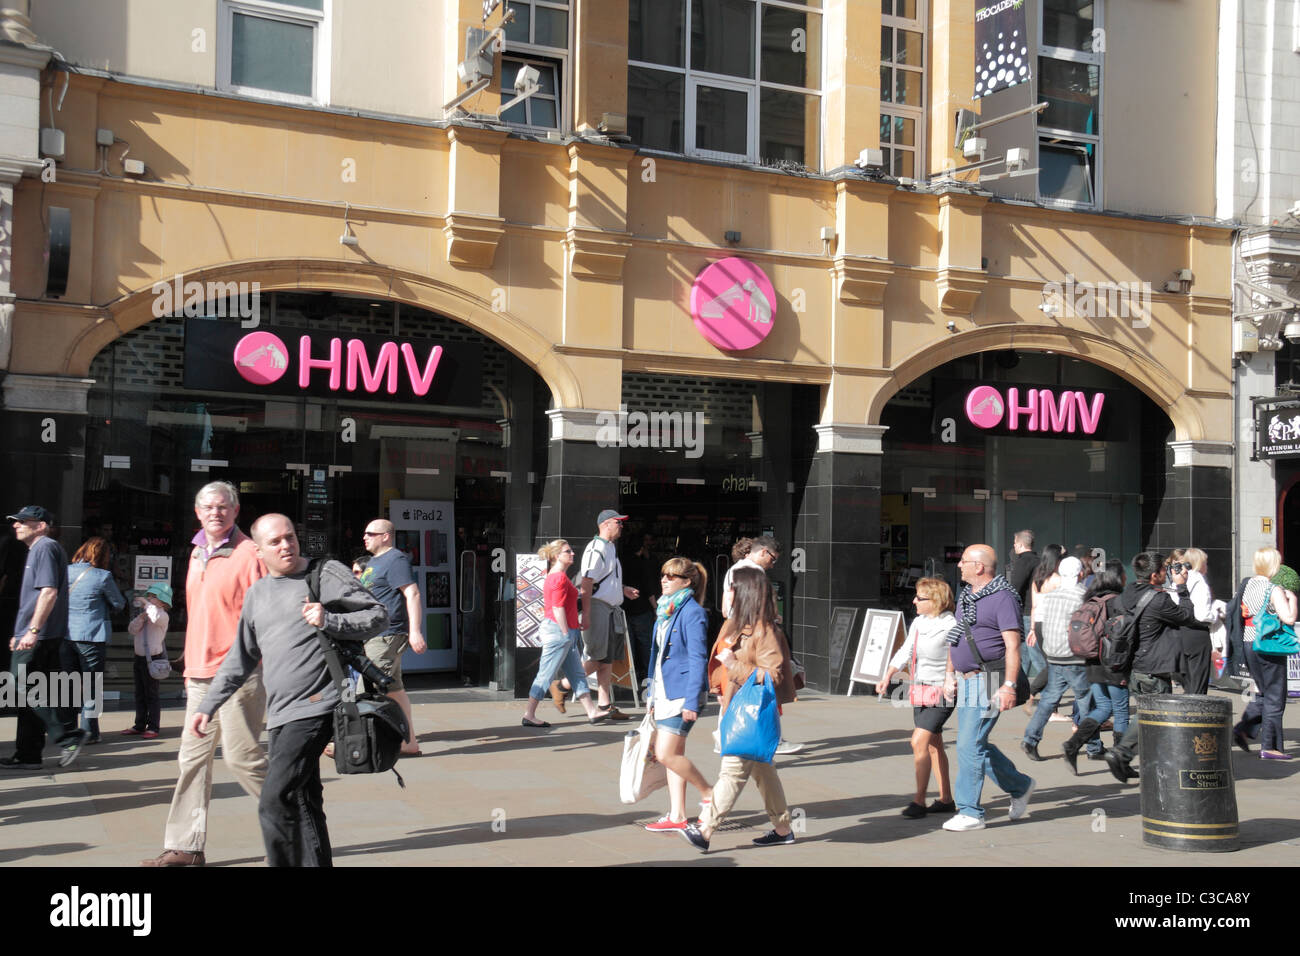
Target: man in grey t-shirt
277 627
603 625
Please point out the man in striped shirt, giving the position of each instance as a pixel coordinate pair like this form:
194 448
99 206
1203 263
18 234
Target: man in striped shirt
1052 636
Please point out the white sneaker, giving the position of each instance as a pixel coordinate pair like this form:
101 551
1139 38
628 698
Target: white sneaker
788 747
963 821
1020 805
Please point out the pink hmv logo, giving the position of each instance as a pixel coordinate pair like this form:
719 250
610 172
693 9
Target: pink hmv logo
732 304
1035 409
261 358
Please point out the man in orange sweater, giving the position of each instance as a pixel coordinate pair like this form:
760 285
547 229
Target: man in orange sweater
223 565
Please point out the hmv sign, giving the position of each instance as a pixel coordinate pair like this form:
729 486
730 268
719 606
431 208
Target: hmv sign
222 356
1040 411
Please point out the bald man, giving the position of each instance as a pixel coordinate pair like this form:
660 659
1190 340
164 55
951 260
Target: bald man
277 628
983 661
388 576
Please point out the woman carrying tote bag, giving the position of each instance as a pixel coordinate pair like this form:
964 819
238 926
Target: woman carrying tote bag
760 651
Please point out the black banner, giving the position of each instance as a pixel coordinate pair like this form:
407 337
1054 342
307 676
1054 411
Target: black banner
222 356
1027 410
1279 432
1001 46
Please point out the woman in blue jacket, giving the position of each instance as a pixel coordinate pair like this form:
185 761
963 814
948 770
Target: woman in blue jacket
679 674
92 596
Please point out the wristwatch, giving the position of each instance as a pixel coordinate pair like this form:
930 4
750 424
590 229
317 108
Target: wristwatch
34 630
1009 683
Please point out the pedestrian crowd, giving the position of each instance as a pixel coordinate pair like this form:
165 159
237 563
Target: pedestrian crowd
260 619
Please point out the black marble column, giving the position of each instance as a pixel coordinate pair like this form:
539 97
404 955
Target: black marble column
1195 510
581 481
45 464
838 526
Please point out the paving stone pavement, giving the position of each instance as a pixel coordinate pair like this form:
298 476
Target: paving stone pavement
488 792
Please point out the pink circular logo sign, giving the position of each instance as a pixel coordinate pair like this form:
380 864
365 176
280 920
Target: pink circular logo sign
984 406
261 358
732 304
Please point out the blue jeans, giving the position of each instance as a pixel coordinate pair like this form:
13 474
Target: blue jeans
1032 660
1059 677
90 657
1108 701
976 757
1263 715
559 653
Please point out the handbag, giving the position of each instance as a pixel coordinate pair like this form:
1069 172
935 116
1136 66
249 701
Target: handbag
160 668
640 774
369 729
922 695
751 727
1271 635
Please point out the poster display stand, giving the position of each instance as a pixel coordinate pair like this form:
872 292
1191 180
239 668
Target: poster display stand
882 634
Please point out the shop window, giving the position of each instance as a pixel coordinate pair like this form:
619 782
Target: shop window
1070 81
742 84
275 50
902 85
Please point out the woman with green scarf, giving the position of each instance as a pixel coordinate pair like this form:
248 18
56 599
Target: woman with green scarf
679 682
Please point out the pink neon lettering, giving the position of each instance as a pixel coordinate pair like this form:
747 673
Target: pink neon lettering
420 381
1015 410
1054 417
306 363
385 364
1090 417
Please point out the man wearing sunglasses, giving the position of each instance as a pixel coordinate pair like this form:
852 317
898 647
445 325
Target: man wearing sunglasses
389 577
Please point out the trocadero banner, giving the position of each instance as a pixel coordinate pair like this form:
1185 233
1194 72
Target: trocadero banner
1001 46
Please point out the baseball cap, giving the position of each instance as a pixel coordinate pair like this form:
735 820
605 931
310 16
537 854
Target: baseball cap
607 514
1069 569
32 513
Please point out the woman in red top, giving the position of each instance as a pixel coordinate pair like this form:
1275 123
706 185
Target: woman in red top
560 636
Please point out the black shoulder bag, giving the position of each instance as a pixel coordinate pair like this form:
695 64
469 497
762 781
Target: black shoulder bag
1022 682
369 730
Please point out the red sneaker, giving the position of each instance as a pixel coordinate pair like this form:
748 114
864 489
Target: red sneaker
148 734
664 825
131 732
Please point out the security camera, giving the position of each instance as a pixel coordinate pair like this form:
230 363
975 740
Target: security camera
1292 328
526 79
870 159
1050 309
952 326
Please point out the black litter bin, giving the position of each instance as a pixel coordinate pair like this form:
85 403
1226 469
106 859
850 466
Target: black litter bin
1189 798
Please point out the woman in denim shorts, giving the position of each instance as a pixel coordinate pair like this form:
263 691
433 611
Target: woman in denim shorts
679 682
560 636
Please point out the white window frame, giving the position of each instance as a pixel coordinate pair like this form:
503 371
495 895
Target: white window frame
916 113
507 82
553 54
752 86
319 21
1063 137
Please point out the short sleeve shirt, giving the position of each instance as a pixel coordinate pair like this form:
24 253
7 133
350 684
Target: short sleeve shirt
47 567
558 591
600 563
385 576
998 612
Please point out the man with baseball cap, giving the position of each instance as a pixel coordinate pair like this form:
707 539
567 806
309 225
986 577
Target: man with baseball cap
603 625
37 644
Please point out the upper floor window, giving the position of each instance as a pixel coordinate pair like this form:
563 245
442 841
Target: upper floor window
538 37
1069 79
736 80
902 85
278 50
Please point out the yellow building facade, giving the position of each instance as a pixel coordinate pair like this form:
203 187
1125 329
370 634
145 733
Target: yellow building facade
572 254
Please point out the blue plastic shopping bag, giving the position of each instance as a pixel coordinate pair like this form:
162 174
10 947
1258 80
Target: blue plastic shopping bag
751 727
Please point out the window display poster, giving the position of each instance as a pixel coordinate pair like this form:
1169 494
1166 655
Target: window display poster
151 569
530 573
422 530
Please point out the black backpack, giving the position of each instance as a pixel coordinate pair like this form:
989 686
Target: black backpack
370 728
1119 640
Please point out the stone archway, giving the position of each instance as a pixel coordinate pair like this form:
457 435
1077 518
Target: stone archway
136 309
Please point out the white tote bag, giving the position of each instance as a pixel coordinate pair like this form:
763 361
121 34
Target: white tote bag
641 774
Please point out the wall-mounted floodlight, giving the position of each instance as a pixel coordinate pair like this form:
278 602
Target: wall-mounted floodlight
525 85
975 147
870 159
